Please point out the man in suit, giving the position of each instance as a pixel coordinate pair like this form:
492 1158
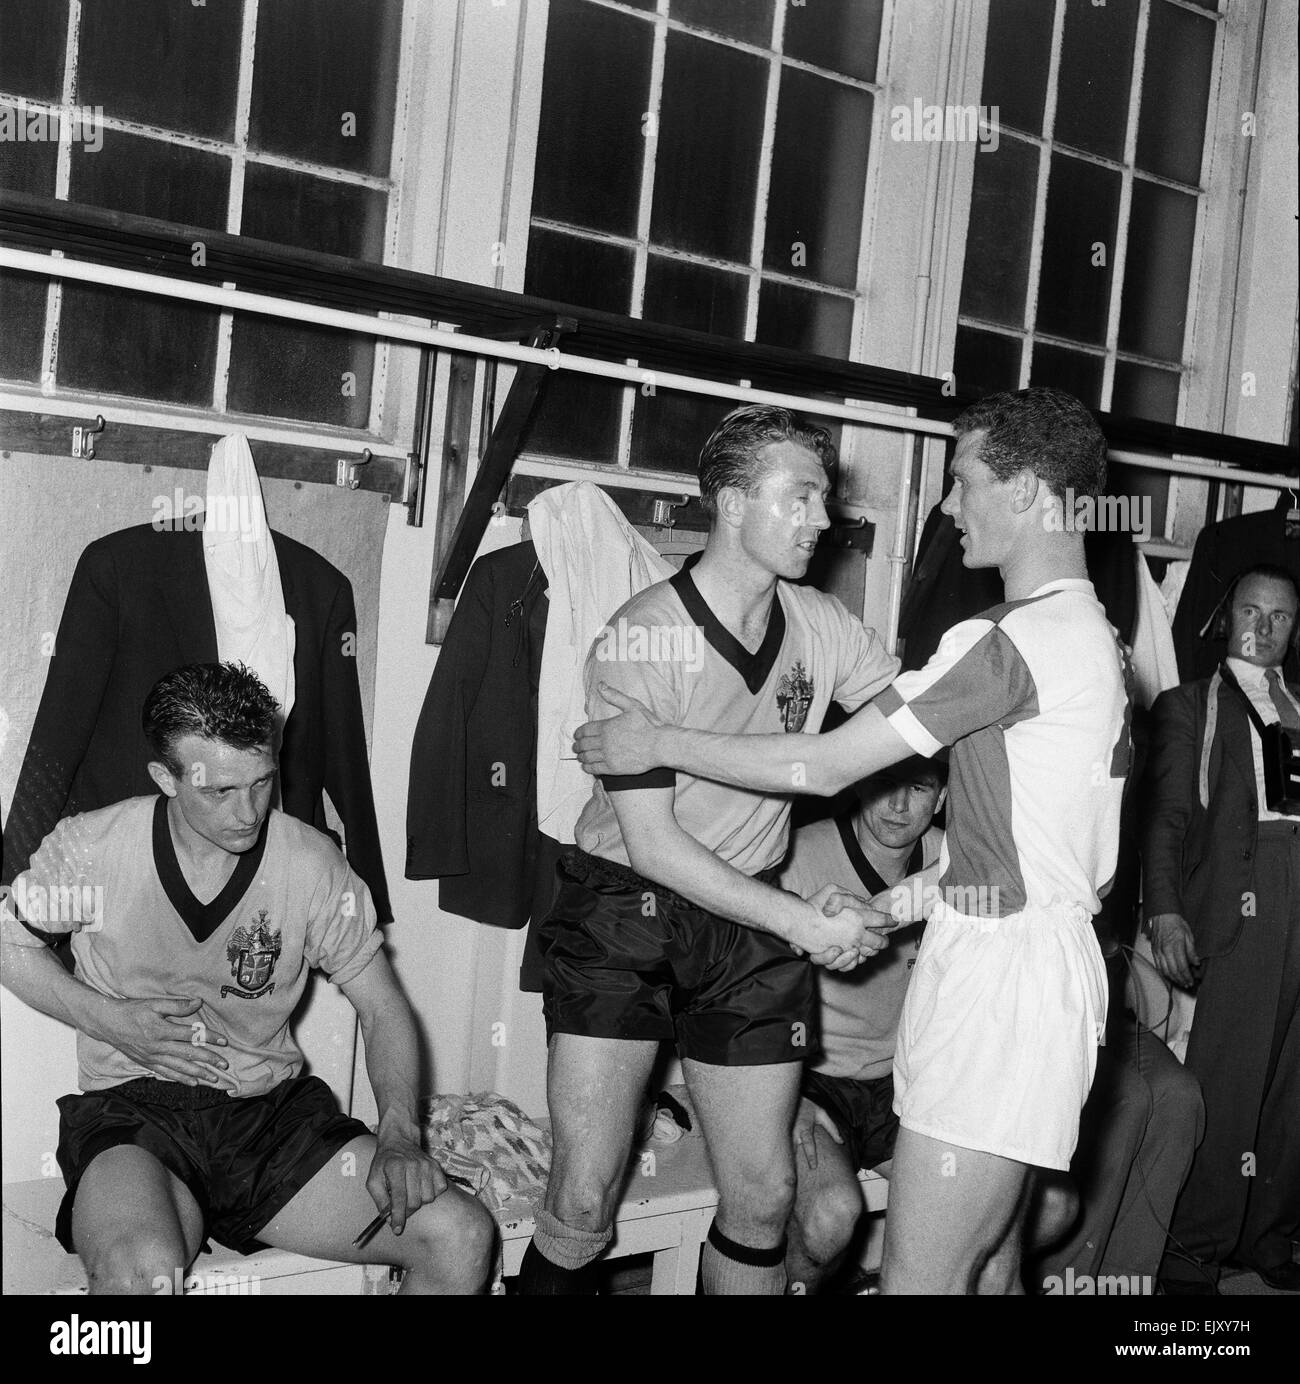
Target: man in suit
1221 879
139 606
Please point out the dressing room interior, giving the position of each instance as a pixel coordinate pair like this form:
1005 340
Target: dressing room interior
378 351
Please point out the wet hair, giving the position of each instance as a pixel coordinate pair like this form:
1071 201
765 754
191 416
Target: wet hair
218 701
730 456
917 766
1047 430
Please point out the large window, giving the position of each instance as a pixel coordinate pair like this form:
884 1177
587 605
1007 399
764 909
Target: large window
270 118
1083 222
703 164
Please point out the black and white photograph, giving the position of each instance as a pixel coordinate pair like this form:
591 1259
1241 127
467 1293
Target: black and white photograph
650 648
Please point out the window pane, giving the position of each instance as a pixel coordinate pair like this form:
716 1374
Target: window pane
161 348
707 155
1016 56
314 213
1142 391
1162 228
1078 250
577 415
843 35
27 165
124 343
1175 93
1096 70
22 310
804 321
317 62
162 63
668 429
1074 371
289 370
750 20
819 170
682 294
589 140
32 42
149 177
1001 228
984 362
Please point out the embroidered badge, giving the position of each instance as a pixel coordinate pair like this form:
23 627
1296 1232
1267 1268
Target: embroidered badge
794 694
252 953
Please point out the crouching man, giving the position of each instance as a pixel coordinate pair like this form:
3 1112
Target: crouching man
211 908
846 1119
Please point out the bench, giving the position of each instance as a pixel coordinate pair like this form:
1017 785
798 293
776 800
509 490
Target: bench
666 1211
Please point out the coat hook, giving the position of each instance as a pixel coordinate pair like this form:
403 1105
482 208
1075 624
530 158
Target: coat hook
83 439
662 512
345 471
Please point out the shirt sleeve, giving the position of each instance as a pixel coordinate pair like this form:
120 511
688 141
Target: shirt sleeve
976 678
638 659
57 891
864 668
342 935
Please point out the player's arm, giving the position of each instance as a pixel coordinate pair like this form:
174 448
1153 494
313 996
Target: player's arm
402 1176
159 1034
636 740
660 850
911 899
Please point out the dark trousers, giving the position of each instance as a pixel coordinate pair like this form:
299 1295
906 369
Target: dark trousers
1242 1199
1137 1134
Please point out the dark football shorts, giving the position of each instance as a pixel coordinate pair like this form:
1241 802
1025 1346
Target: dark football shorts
626 958
863 1112
243 1159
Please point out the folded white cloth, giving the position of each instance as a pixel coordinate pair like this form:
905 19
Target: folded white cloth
252 624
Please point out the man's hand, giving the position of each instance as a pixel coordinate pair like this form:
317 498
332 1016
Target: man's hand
842 931
807 1121
623 744
402 1178
161 1036
1173 948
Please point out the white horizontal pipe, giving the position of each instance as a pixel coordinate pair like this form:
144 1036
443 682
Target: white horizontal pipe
29 262
237 300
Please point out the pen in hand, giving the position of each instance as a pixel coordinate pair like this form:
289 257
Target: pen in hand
372 1229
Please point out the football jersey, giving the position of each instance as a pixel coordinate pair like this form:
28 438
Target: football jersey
860 1008
667 648
1032 696
111 878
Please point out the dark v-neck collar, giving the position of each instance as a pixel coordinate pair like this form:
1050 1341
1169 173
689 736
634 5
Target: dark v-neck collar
202 919
867 872
753 668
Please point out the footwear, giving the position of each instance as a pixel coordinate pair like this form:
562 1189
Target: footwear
1186 1287
1285 1277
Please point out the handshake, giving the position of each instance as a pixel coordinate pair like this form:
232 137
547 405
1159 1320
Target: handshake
840 930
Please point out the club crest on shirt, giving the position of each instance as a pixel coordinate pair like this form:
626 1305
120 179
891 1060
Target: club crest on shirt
252 953
794 694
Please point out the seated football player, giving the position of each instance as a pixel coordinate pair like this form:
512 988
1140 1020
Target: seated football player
196 916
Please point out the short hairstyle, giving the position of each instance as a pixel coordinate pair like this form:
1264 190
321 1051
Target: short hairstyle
218 701
916 766
1047 430
730 456
1220 624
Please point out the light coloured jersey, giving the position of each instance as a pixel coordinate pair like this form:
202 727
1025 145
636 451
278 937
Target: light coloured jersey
1032 697
859 1009
111 879
668 649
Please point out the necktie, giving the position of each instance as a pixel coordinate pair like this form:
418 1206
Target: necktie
1286 712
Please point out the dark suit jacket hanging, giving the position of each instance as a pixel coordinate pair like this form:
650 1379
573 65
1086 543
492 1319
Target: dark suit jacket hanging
471 816
138 606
